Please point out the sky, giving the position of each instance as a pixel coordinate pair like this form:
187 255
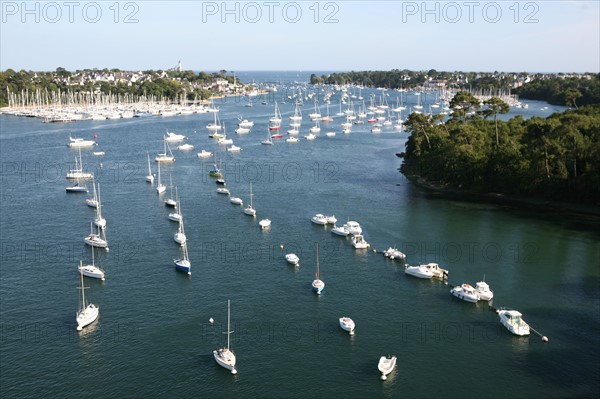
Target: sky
509 36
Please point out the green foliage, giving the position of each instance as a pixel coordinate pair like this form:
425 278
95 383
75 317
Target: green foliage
556 158
562 91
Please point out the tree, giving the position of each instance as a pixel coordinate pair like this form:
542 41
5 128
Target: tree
570 96
463 104
495 106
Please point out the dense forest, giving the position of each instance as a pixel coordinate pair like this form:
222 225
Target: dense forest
556 158
562 91
165 84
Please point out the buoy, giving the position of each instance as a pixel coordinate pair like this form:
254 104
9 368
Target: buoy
383 377
544 338
281 247
233 371
211 320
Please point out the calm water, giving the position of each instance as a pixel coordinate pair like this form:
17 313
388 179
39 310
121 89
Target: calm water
153 338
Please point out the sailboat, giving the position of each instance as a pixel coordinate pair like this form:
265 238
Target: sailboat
160 188
176 216
180 237
327 118
87 314
225 356
99 220
276 118
216 171
91 270
92 202
268 140
78 172
318 284
96 239
184 264
249 210
297 114
214 126
77 188
170 201
149 176
316 114
164 156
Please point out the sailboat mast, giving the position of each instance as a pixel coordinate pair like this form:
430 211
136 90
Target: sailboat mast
318 271
82 288
228 321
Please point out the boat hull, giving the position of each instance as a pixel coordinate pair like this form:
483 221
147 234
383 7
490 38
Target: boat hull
87 316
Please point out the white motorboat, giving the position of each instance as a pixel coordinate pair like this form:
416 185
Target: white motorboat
465 292
331 219
310 136
347 324
149 176
205 154
223 190
512 320
292 139
242 130
249 210
393 253
185 147
484 291
92 270
265 224
386 365
292 259
96 239
80 143
340 230
353 227
319 219
174 137
234 148
375 129
245 123
359 242
225 356
87 313
166 155
330 134
436 270
420 271
236 201
318 285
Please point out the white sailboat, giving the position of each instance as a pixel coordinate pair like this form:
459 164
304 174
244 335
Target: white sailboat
167 154
170 201
249 210
99 220
160 188
176 216
225 356
214 126
77 188
276 118
92 202
149 176
180 237
87 313
96 239
92 270
318 285
268 140
78 172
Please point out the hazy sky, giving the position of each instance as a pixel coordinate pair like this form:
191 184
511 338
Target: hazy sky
314 35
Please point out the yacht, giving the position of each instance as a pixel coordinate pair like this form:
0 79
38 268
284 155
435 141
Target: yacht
96 239
249 210
420 271
340 230
484 291
80 143
353 227
292 259
166 155
319 219
185 147
318 285
236 201
359 242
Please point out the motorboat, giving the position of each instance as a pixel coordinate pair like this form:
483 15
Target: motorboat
359 242
87 313
340 230
242 130
292 259
234 148
265 224
236 201
512 320
465 292
223 190
205 154
319 219
245 123
330 134
225 356
80 143
393 253
436 270
420 271
353 227
386 365
310 136
331 219
185 147
484 291
347 324
174 137
292 139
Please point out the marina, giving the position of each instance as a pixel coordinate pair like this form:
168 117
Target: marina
155 318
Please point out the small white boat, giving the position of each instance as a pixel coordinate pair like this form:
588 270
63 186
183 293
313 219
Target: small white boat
310 136
225 356
98 153
330 134
185 147
245 124
92 270
78 172
175 216
331 219
465 292
340 231
171 202
484 291
347 324
242 130
386 365
174 137
77 188
265 224
292 259
292 139
92 202
319 219
180 237
353 227
436 270
96 239
160 188
511 319
80 143
249 210
149 176
166 155
205 154
234 148
236 201
359 242
87 313
376 129
393 253
223 190
420 271
99 220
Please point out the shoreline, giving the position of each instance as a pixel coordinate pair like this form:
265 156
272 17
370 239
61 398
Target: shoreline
532 203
